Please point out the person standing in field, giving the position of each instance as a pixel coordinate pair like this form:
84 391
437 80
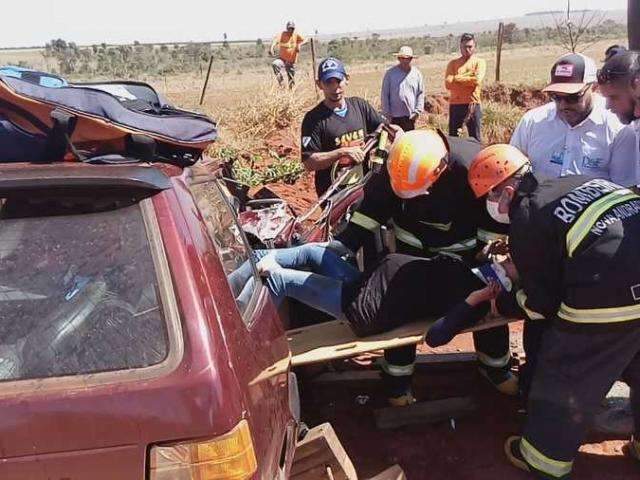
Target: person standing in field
463 79
288 43
403 91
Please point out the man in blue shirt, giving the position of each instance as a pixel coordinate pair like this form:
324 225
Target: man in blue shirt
403 91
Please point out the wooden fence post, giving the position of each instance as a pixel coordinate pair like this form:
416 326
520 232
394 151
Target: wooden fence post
313 67
206 80
499 50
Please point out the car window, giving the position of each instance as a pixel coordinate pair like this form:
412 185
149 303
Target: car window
233 249
78 288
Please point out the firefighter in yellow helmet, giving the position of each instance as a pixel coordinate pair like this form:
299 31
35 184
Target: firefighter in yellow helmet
575 244
424 197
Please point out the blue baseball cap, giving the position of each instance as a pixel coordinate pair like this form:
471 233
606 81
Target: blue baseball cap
331 68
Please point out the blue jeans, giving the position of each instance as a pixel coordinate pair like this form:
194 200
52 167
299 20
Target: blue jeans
312 274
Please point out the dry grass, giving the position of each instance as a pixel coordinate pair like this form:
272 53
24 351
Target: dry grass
499 121
262 114
32 57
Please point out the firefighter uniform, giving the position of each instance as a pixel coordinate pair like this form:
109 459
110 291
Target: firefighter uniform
576 244
449 220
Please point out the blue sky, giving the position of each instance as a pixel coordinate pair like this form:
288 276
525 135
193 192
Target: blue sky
35 22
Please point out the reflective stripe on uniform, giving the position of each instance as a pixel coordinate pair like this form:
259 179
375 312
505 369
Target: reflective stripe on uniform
521 298
445 227
407 237
599 315
462 246
580 229
365 222
539 461
397 370
494 362
410 239
486 236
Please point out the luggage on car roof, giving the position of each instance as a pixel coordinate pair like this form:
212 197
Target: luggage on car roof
83 121
34 76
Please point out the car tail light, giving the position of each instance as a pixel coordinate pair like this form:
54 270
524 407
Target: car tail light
230 457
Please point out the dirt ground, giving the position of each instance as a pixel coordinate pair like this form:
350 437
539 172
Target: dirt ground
473 450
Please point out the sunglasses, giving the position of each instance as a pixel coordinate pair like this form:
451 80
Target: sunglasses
606 75
573 98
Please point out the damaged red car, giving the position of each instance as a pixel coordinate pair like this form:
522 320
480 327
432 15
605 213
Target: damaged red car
128 348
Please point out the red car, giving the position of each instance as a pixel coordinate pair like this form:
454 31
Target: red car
130 346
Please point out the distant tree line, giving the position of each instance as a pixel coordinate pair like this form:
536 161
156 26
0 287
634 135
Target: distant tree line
142 59
372 48
131 61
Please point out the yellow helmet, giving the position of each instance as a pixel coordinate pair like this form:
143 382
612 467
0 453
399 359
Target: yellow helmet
416 160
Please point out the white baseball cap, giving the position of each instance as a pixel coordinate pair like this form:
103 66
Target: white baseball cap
405 51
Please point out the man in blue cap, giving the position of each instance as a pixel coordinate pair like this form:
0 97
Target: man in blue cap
335 130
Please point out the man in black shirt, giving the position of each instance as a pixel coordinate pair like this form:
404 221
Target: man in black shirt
404 288
334 131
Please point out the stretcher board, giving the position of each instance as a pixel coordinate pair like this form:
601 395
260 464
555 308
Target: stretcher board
335 339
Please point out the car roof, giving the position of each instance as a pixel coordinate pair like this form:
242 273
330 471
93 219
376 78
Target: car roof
26 176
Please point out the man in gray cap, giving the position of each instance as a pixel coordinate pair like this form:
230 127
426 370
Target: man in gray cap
288 43
403 91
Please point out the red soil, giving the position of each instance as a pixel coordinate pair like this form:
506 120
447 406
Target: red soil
474 450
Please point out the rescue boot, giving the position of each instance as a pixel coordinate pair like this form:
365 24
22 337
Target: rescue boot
502 378
516 458
512 451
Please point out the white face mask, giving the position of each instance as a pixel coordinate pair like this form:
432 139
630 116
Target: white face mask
492 208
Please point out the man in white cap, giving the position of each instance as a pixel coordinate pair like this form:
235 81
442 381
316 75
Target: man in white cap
288 43
403 91
574 133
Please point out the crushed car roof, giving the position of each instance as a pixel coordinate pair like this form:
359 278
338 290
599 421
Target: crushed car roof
15 176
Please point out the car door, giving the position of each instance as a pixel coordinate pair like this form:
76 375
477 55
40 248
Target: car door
256 338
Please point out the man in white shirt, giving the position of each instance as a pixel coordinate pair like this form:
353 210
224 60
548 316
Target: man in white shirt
614 79
625 156
403 91
616 83
574 133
